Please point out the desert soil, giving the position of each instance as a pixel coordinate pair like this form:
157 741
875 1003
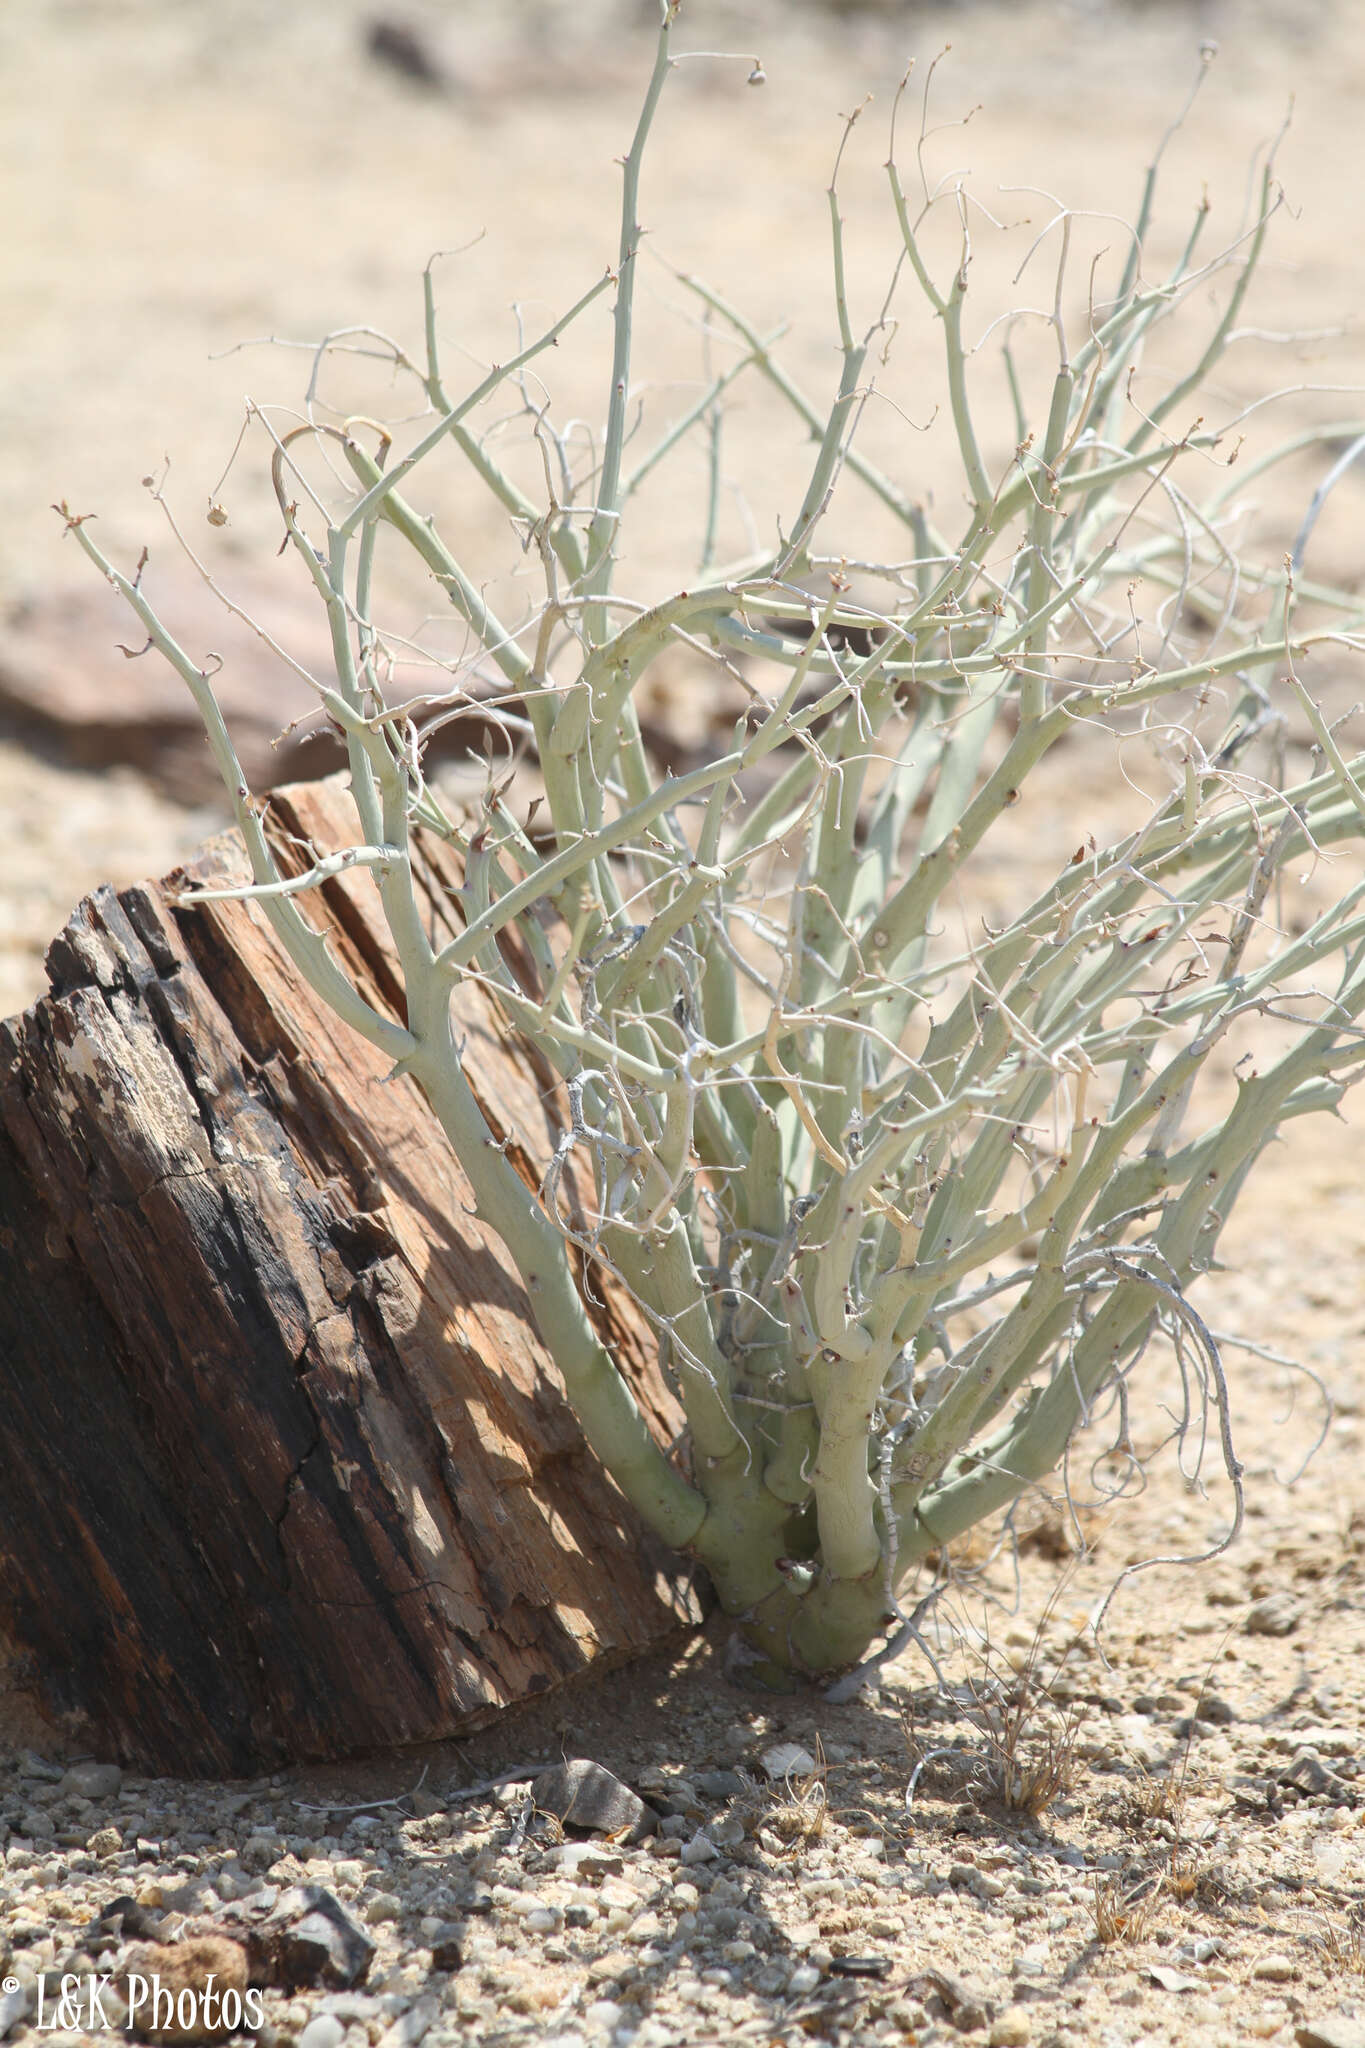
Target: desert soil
174 179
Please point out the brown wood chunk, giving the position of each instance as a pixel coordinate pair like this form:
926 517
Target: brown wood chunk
285 1471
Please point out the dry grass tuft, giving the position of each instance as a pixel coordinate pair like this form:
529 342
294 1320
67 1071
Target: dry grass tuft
800 1807
1341 1944
1031 1746
1124 1912
1030 1737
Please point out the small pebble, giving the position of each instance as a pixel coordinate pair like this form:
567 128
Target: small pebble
326 2031
1275 1969
1011 2028
382 1907
1278 1614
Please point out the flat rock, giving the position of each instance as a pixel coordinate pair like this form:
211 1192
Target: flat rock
1173 1980
586 1796
584 1860
1337 2030
1310 1774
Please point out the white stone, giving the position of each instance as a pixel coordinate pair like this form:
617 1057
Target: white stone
604 2013
326 2031
614 1893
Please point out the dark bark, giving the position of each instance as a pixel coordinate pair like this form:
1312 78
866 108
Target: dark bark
285 1471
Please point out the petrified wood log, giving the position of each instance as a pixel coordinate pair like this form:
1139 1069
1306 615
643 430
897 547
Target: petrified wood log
66 682
285 1471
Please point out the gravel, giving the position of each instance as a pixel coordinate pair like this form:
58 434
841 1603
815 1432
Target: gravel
827 1908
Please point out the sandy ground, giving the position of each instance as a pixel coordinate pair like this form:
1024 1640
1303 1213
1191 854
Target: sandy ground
178 178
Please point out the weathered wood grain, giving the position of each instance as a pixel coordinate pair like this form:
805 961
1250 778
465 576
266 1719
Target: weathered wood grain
285 1471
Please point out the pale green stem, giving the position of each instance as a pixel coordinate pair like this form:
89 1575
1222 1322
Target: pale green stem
374 498
602 531
306 948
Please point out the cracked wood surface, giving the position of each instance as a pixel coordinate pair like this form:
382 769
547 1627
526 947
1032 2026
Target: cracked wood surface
285 1471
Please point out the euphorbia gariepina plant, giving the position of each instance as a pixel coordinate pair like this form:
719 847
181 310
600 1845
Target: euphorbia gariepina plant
904 1201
